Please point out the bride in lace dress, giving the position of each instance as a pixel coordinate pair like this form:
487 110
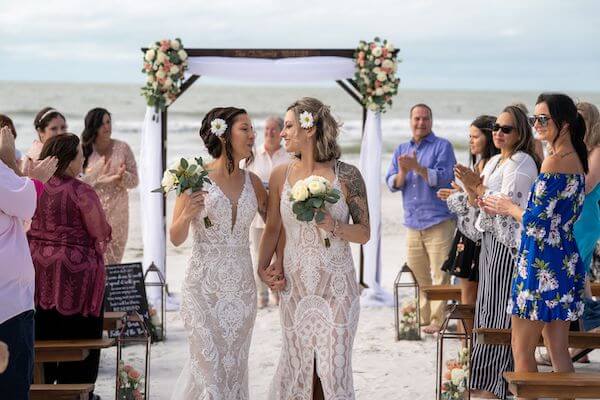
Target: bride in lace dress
319 306
219 294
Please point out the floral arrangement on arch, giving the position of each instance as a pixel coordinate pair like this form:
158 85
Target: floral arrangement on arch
375 75
130 382
409 324
165 62
455 382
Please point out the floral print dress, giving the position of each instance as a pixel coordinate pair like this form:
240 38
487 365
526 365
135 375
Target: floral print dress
549 279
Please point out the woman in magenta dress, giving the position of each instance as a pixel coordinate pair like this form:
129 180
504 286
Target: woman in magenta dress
68 237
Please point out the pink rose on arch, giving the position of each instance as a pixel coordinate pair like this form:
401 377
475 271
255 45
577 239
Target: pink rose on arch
384 52
164 45
373 45
377 84
361 62
361 55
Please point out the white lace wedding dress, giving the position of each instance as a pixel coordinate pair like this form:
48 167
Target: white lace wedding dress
319 309
219 300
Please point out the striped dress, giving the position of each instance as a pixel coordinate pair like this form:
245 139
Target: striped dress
499 237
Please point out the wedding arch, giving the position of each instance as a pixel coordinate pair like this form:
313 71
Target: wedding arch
265 65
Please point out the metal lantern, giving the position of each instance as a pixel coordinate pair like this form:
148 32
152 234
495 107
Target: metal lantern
133 368
460 313
407 324
157 318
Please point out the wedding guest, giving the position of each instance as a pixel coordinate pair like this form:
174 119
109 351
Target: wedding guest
17 203
539 147
419 168
548 285
463 260
510 174
111 170
320 303
266 157
68 237
6 121
48 122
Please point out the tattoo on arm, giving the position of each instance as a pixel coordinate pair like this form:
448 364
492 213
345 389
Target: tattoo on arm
356 193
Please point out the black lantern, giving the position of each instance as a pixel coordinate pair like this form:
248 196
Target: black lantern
157 307
458 370
408 314
133 359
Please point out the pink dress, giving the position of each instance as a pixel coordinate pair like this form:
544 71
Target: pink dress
68 237
114 197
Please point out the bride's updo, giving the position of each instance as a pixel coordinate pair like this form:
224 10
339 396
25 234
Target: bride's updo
214 144
327 127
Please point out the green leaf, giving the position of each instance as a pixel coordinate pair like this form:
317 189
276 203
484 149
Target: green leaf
316 202
307 215
298 207
320 216
158 190
183 163
192 168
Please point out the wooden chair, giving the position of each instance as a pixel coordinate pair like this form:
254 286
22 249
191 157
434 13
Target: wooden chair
61 392
554 384
442 292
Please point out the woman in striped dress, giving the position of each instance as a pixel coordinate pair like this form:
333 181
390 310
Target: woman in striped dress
511 174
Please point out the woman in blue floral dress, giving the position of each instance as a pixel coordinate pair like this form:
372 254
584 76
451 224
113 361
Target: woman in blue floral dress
548 285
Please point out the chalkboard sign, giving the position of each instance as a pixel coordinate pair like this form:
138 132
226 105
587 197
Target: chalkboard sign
126 291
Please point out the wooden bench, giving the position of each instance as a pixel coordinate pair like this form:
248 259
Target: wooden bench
113 320
61 392
578 340
441 292
64 350
554 384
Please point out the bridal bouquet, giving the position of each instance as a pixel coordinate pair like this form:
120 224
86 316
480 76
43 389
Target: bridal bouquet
456 378
185 175
309 197
375 75
130 381
164 64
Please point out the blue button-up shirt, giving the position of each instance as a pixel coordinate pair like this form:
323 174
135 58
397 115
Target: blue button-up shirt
422 208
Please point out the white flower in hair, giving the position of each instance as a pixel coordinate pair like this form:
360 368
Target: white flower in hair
218 126
307 120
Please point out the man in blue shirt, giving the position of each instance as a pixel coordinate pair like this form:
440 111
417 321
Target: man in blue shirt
419 168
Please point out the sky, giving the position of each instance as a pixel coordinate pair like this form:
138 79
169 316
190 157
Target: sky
444 44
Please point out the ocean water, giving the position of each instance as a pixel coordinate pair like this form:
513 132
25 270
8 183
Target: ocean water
452 111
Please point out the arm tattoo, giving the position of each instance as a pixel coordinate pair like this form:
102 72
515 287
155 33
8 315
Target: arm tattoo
356 195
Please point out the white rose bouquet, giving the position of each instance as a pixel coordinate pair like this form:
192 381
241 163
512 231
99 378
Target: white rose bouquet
185 175
165 62
309 197
376 66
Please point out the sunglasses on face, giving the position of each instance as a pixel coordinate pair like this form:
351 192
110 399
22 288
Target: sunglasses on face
543 119
506 129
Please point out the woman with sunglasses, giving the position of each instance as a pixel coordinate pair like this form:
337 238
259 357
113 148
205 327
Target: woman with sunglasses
548 285
511 174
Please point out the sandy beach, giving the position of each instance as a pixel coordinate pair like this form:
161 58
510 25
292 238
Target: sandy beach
383 368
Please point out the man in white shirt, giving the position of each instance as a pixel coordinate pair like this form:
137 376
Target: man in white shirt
266 157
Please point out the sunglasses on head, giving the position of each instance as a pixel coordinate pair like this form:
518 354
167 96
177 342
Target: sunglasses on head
543 119
506 129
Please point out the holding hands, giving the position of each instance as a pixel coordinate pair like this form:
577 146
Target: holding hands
273 276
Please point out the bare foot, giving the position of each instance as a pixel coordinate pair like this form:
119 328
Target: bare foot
431 329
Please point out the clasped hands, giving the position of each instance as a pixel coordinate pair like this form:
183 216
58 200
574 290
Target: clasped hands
272 275
408 162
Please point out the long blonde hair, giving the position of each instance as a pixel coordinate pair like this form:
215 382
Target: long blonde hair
591 116
327 127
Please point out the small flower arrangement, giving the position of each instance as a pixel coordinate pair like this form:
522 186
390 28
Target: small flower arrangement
309 197
130 382
455 381
185 175
409 324
165 62
154 322
375 75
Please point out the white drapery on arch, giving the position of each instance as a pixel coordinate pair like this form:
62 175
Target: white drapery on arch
296 69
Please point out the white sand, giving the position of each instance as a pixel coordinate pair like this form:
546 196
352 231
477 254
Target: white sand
383 368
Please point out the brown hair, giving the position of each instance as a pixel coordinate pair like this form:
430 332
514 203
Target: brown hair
327 127
212 142
64 147
526 143
6 121
591 116
43 118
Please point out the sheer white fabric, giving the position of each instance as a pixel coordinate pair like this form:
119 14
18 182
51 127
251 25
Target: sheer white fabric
319 309
295 69
219 300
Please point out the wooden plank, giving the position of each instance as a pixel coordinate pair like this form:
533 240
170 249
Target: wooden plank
60 392
595 289
579 340
554 384
113 320
68 350
58 355
441 292
461 311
